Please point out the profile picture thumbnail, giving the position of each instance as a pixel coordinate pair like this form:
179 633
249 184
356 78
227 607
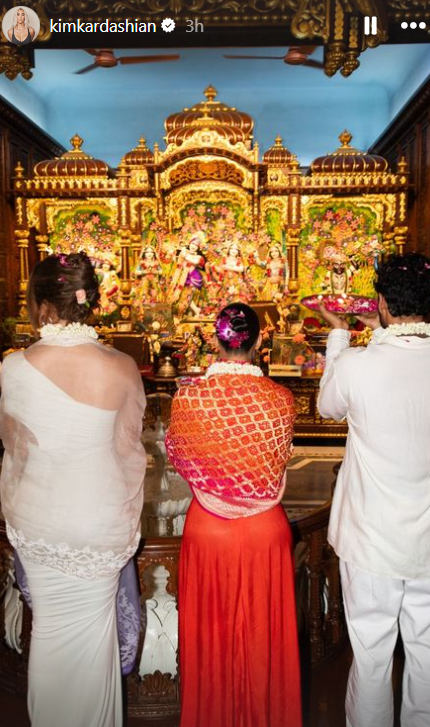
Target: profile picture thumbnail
20 25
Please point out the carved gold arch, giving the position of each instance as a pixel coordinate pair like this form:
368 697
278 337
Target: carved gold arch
205 168
209 191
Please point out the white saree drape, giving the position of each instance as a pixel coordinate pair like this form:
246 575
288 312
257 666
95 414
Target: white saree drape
72 492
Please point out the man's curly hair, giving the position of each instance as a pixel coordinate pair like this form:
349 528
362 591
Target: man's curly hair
404 281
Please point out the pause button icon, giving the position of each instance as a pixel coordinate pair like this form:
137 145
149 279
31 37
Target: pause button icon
370 25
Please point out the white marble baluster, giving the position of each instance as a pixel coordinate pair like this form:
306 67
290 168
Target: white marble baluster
161 636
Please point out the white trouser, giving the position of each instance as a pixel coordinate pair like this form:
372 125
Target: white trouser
375 607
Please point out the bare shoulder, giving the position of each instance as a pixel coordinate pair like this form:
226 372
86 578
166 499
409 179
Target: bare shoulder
119 363
115 357
10 33
32 32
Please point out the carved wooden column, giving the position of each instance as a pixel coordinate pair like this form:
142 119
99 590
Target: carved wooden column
125 235
22 234
42 238
401 229
256 192
293 229
136 246
157 182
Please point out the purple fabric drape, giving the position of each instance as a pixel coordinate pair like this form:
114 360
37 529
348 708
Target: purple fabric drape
128 614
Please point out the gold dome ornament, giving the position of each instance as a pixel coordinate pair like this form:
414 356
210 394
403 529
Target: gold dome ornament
140 156
233 125
347 159
278 155
73 163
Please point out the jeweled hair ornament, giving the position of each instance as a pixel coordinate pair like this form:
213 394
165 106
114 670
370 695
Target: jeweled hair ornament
225 330
62 259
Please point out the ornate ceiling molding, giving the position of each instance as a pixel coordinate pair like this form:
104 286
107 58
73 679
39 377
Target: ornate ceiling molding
306 14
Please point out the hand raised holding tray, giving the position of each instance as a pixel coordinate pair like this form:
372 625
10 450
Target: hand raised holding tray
357 305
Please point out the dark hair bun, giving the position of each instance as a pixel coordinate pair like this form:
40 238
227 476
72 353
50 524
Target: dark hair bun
56 280
237 327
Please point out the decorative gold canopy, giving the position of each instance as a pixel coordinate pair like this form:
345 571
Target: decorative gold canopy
278 155
73 163
346 159
229 123
140 156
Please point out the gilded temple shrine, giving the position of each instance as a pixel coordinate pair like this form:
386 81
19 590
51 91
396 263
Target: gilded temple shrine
206 219
177 232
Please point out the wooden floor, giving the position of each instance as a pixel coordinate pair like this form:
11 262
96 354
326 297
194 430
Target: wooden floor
323 698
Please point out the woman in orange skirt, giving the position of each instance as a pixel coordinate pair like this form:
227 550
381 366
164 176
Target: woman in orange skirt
230 438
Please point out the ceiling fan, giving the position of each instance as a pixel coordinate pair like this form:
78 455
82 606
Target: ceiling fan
105 58
297 55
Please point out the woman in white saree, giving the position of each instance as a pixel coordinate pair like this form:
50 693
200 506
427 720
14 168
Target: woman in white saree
71 493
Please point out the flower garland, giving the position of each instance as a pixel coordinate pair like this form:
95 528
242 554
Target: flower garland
71 330
233 367
405 329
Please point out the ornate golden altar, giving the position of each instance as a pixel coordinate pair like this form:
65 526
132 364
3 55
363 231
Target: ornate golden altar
206 221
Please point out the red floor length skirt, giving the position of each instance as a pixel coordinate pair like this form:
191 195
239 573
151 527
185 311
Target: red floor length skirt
239 661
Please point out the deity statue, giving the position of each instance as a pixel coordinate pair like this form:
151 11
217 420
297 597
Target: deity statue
339 277
148 273
231 275
188 278
109 287
276 273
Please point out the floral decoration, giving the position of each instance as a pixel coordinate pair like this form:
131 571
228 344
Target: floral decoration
342 233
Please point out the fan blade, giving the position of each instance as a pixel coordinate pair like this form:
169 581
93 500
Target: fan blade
128 60
91 51
264 58
313 64
86 69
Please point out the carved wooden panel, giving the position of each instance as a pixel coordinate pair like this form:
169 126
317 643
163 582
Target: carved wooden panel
196 170
408 136
20 140
309 423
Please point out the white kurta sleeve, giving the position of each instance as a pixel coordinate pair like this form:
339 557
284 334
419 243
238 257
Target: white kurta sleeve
331 402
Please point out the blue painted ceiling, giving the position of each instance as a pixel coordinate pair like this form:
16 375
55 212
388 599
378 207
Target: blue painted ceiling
111 108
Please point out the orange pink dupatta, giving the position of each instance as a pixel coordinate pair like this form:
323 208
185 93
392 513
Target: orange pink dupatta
230 438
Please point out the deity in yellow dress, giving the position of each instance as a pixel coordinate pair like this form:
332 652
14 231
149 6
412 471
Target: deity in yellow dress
148 273
276 274
232 280
189 277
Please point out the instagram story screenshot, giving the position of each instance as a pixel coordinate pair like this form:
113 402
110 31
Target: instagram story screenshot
214 363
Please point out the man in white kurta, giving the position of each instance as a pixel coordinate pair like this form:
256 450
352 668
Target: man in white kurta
380 519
